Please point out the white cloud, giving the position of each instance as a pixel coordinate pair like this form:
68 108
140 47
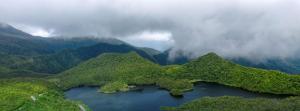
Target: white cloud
41 33
255 29
157 40
35 31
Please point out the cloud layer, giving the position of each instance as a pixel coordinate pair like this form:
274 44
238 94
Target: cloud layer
255 29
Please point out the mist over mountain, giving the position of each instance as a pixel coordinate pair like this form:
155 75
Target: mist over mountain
149 55
20 49
25 55
256 30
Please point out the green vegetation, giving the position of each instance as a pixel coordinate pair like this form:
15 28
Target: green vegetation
33 95
288 65
23 55
65 59
114 87
212 68
133 69
114 72
176 87
231 103
109 69
106 68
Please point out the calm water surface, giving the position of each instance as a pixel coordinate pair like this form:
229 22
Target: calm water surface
150 98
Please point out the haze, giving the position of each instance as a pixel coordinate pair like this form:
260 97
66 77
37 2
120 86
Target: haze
253 29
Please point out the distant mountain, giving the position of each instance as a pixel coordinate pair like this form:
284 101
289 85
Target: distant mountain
291 66
163 58
8 30
20 50
58 62
17 42
150 51
21 44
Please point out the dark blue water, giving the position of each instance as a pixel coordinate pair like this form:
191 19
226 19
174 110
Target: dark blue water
150 98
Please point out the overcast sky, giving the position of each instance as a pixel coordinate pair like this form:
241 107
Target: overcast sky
255 29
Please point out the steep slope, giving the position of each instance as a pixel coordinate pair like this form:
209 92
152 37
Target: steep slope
130 68
16 45
213 68
16 42
6 29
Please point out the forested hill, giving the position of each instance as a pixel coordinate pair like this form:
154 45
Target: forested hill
213 68
133 69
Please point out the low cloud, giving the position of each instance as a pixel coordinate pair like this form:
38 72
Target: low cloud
158 40
253 29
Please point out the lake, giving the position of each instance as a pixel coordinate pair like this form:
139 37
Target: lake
150 98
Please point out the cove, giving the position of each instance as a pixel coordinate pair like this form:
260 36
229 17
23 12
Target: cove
150 98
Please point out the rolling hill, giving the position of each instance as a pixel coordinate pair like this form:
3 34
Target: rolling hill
108 68
132 69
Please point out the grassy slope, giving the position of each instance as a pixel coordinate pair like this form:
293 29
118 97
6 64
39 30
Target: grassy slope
33 95
231 103
213 68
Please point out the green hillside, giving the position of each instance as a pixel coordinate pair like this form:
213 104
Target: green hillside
231 103
33 95
117 72
111 68
130 68
212 68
